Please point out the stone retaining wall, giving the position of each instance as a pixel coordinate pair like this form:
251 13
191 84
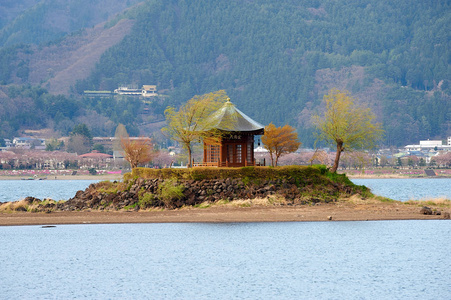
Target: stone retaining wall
196 192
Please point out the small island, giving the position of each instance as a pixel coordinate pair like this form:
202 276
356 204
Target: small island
228 185
247 194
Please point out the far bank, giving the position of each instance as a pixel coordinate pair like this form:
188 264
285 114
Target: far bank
65 177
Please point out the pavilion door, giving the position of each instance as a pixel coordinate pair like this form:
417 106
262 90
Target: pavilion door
235 153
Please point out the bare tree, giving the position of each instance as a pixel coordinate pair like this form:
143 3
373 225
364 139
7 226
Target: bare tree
137 150
79 144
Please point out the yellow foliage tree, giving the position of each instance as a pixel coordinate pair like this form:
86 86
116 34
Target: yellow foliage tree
137 150
191 122
346 125
279 141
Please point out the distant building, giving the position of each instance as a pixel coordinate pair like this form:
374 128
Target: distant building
124 90
260 149
96 160
145 91
29 143
149 91
106 142
8 144
430 145
98 93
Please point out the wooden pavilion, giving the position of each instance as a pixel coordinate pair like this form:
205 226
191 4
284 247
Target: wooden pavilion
236 143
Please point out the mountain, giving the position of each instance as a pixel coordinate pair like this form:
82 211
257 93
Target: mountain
275 59
38 22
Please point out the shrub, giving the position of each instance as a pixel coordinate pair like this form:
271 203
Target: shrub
203 205
200 173
146 200
127 207
169 191
108 187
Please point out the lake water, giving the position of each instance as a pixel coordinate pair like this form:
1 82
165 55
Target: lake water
12 190
306 260
404 189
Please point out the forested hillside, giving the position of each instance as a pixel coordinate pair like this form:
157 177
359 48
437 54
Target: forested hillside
35 108
276 59
37 22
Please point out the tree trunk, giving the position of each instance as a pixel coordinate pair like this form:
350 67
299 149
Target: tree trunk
337 157
272 158
277 160
189 158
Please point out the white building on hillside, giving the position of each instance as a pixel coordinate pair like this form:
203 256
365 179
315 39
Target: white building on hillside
145 91
29 143
430 145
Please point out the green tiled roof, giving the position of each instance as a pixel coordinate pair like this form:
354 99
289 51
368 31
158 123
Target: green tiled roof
230 118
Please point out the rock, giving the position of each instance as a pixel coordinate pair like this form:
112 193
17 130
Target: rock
446 215
30 200
426 210
21 208
329 218
79 194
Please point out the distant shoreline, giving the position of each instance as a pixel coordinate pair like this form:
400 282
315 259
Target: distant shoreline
102 177
119 177
394 176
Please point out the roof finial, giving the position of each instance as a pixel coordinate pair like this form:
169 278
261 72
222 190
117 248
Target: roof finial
228 99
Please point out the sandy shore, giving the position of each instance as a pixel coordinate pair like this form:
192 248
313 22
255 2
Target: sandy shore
345 211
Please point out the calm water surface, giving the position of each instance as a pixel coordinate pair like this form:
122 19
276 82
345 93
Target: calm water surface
309 260
404 189
13 190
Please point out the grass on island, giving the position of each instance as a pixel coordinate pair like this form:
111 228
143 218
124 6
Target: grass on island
26 206
270 201
266 202
437 202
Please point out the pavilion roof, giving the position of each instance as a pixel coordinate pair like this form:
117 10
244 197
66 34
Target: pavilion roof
230 118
